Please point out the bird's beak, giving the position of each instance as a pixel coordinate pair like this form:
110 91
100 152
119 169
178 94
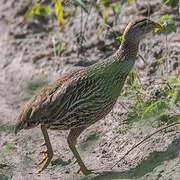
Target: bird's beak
156 25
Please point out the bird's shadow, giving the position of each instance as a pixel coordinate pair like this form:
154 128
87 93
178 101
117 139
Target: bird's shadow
145 166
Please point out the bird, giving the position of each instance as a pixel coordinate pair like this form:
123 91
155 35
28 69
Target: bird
82 97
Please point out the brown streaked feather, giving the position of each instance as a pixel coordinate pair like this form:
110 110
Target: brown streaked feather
35 111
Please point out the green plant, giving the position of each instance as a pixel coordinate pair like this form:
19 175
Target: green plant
42 10
164 19
9 146
146 108
37 9
119 38
60 48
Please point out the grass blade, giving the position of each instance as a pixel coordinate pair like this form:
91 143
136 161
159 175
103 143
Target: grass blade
31 10
81 4
148 109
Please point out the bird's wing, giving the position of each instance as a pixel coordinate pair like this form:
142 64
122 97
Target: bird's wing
55 99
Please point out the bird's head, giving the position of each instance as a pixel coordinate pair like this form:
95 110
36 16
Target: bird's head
25 120
21 123
139 28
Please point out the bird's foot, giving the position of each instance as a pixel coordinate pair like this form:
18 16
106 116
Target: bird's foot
46 160
84 171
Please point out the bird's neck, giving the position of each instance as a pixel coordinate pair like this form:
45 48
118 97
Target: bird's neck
116 68
128 49
123 62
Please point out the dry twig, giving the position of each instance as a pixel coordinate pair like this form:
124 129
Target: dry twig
147 137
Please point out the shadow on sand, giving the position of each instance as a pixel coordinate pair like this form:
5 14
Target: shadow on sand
145 166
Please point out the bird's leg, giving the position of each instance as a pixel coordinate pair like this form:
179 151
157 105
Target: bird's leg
49 152
72 140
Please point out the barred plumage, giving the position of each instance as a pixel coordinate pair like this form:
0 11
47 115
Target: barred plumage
82 97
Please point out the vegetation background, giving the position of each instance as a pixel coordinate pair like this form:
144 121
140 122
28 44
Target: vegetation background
41 40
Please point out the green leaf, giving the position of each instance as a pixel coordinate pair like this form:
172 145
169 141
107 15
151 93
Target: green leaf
160 59
81 4
166 1
60 48
165 17
119 38
31 10
149 108
114 6
133 81
172 27
173 79
9 147
43 9
174 56
37 12
173 89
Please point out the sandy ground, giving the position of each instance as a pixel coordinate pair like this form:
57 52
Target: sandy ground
28 60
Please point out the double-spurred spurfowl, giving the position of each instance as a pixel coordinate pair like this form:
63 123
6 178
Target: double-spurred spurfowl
82 97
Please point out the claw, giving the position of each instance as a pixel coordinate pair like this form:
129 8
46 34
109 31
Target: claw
44 152
45 161
48 153
45 158
44 166
44 144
